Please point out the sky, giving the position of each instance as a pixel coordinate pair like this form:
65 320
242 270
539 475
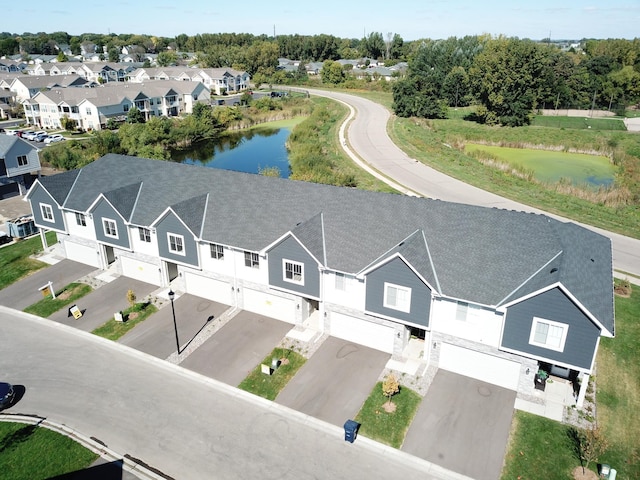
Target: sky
412 19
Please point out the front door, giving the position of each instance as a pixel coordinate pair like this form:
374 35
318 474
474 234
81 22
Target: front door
109 254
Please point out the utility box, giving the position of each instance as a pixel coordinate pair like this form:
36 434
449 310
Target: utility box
350 430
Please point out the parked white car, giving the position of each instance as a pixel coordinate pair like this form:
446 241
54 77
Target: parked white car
56 137
33 135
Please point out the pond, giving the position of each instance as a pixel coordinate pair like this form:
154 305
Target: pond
550 166
244 151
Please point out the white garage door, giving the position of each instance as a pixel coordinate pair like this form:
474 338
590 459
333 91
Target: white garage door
209 288
362 332
480 366
269 305
82 253
143 271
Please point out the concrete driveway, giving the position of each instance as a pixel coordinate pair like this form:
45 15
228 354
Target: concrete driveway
335 381
156 335
100 305
25 292
462 424
235 350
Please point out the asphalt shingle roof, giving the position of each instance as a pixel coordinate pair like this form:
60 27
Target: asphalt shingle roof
482 255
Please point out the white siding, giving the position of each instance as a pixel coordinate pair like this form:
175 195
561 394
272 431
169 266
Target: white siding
352 296
363 332
483 326
481 366
76 230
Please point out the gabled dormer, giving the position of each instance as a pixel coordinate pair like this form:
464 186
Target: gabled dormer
397 285
295 259
46 200
178 230
111 213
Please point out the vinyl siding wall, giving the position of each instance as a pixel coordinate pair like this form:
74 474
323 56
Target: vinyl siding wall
290 249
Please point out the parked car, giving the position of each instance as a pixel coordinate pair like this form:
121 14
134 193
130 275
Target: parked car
4 238
56 137
32 135
41 137
6 395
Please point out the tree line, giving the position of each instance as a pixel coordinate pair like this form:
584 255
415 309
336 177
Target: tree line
510 78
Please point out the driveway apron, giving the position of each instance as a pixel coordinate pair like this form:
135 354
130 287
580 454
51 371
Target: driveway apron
99 306
335 381
237 348
25 292
462 424
156 335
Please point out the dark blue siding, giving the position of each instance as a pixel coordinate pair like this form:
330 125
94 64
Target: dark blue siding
290 249
104 210
398 273
582 335
38 196
171 224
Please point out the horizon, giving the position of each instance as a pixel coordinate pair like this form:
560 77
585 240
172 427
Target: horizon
572 20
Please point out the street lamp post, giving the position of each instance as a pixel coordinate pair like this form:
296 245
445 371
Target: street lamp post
172 295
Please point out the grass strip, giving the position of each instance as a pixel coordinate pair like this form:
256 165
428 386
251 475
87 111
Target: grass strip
28 452
269 386
68 295
113 330
15 261
388 428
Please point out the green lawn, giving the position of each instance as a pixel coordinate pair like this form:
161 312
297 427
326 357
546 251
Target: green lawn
66 296
552 166
578 122
388 428
541 449
15 262
28 452
112 330
269 386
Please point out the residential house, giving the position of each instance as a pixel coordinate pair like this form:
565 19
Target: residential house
217 80
19 165
488 293
11 66
26 86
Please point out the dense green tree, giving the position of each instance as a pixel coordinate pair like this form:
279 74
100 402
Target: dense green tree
167 58
510 76
332 72
373 45
135 116
114 54
261 55
9 46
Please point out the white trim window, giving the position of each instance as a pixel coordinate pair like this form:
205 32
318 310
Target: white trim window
251 260
47 212
548 334
145 234
110 228
22 161
397 297
341 282
217 251
176 243
292 272
81 219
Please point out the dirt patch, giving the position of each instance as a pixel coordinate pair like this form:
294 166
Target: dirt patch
587 475
389 407
622 288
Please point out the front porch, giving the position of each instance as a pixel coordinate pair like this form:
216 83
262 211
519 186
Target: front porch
550 402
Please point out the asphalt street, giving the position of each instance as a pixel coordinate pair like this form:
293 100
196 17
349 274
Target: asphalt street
369 141
179 422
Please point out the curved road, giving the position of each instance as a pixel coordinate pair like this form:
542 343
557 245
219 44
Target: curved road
369 141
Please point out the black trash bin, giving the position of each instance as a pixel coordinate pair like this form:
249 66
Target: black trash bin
350 430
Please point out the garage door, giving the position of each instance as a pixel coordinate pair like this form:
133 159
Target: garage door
82 253
362 332
209 288
143 271
481 366
269 305
9 190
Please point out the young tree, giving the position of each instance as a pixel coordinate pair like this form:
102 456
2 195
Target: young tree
593 443
131 297
390 386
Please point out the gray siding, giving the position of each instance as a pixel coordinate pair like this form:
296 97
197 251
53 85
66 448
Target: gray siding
582 335
398 273
290 249
38 196
103 210
171 224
